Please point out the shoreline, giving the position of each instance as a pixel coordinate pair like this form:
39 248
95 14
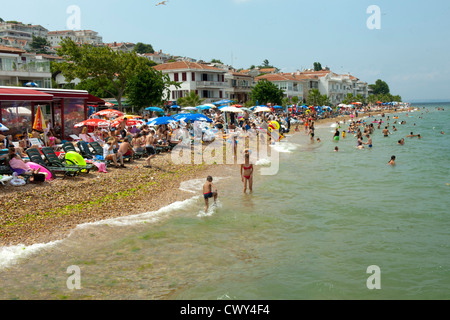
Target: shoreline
35 214
58 207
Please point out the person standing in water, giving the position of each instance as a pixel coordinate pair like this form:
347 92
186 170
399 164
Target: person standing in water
209 191
247 173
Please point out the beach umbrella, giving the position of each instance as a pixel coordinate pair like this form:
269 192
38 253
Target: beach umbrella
155 109
130 122
3 128
161 120
277 107
262 109
39 121
225 101
30 84
175 107
230 109
237 105
110 113
189 108
192 117
93 123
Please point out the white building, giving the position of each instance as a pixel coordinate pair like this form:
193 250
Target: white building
290 83
88 37
18 67
55 37
206 81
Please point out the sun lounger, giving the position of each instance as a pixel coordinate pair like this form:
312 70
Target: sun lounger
53 160
36 157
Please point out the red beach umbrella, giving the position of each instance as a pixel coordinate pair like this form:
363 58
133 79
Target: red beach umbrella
110 113
94 123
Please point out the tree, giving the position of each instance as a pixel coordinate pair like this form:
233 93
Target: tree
143 48
266 64
380 87
90 86
102 65
216 61
1 20
191 100
349 98
39 43
266 92
314 97
317 66
148 87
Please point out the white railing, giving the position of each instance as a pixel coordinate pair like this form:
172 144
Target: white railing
211 84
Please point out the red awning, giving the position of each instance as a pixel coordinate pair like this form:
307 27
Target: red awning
94 100
19 94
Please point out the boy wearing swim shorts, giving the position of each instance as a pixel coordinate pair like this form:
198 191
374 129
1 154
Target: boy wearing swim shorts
209 191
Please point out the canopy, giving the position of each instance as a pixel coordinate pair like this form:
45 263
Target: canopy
161 120
94 123
23 94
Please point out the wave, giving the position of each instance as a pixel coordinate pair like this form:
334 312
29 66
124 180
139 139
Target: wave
12 254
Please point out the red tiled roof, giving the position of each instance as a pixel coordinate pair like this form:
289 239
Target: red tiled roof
10 49
182 65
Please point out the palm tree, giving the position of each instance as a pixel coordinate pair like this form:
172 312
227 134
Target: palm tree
192 100
314 97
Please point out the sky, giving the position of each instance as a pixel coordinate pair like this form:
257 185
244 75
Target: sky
409 49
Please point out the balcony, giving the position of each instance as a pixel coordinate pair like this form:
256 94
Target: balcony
211 84
35 67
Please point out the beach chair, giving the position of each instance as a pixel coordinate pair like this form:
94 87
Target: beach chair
36 157
54 161
88 154
68 146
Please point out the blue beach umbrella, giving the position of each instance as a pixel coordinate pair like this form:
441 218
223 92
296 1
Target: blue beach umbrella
192 117
3 128
156 109
30 84
161 120
225 101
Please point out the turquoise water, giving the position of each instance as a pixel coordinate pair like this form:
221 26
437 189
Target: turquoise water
309 232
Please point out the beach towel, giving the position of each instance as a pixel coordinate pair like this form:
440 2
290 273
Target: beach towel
101 166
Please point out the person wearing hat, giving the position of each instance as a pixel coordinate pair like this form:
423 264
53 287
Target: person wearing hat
109 154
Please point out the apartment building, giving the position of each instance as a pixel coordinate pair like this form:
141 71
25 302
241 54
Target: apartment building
290 83
206 81
17 67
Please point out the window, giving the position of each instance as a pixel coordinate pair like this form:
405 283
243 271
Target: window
175 77
184 76
193 76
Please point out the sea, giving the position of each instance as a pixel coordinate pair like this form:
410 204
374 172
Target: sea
328 226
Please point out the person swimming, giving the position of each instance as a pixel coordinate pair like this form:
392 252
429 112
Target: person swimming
392 161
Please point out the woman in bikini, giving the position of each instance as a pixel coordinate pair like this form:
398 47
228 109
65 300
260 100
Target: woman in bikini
247 173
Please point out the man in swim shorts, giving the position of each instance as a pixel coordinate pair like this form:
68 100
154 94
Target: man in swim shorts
209 191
